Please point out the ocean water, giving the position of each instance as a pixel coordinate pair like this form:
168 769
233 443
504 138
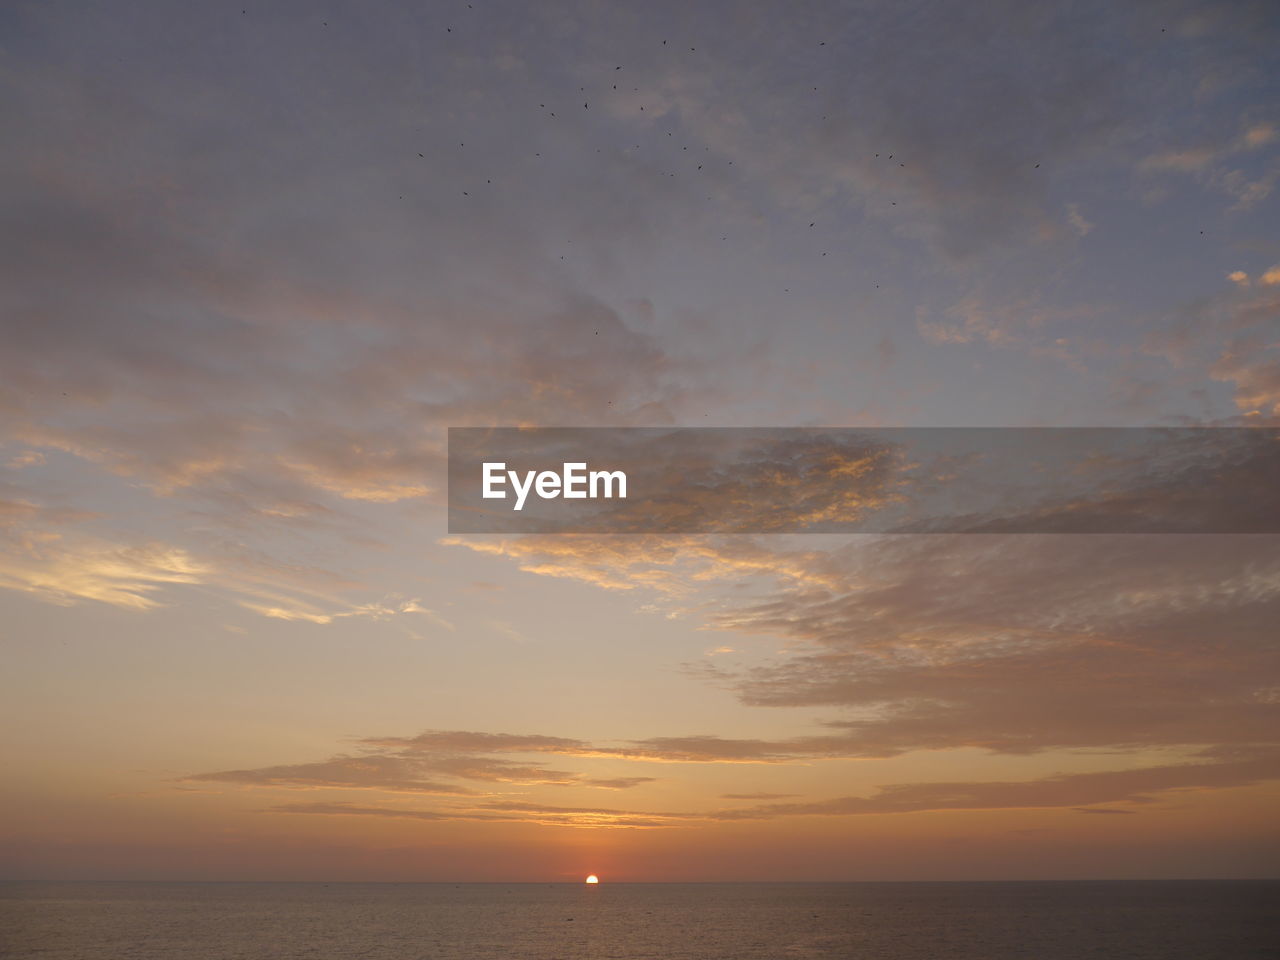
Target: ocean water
1196 920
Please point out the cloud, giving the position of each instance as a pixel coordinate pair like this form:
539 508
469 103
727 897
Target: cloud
469 741
686 749
1082 792
305 606
205 325
1024 323
1079 224
1249 191
28 458
1259 134
617 783
513 813
351 810
432 745
496 770
1140 785
431 763
65 570
1213 166
1250 760
387 773
1067 642
966 322
1253 366
962 194
65 555
213 289
667 564
1011 643
1191 160
1229 338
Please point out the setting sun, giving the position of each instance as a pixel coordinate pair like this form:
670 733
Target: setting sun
592 879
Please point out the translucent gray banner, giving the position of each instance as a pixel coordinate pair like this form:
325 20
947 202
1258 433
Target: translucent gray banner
879 480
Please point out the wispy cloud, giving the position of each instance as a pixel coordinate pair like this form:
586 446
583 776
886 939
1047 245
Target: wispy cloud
1215 165
1084 793
370 772
65 570
1014 644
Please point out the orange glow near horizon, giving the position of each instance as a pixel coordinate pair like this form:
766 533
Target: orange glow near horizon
592 879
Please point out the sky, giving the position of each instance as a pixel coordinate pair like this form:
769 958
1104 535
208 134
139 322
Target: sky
257 258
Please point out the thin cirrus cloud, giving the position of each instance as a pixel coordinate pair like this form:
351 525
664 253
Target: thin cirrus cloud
1082 792
1010 643
391 774
907 154
1230 338
430 764
1216 165
509 813
45 554
123 576
1140 785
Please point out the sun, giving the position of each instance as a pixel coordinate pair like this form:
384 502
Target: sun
592 879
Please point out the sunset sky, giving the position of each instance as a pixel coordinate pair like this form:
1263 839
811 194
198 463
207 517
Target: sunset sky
257 258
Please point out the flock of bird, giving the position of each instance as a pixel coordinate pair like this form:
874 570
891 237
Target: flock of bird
610 86
693 168
664 163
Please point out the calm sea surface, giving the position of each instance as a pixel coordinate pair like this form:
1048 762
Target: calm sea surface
1197 920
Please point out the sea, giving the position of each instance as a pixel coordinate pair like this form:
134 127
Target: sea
1112 920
